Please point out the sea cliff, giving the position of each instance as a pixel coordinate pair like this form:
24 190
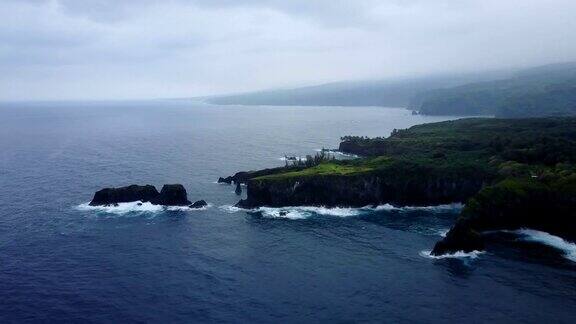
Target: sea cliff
510 173
374 187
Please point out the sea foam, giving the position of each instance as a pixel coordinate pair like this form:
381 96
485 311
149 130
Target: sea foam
136 207
568 248
295 212
455 207
303 212
455 255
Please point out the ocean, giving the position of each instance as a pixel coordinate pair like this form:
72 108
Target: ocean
62 261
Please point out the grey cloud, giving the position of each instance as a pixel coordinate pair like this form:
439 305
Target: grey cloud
152 48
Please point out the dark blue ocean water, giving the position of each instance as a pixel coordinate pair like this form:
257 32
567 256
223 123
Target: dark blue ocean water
62 263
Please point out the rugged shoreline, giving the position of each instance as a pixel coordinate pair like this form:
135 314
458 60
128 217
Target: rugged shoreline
357 191
508 172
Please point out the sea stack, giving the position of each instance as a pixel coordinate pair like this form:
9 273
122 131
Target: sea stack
199 204
108 196
172 195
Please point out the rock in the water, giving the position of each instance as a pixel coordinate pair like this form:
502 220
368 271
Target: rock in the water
238 190
109 196
172 195
460 238
199 204
246 204
227 180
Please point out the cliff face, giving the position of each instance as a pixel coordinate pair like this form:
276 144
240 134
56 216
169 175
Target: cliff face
358 191
542 204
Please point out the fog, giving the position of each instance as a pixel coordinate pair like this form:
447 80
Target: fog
109 49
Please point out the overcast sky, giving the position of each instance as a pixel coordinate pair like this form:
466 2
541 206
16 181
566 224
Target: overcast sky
119 49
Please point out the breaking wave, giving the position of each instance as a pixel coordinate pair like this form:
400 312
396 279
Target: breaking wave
456 255
568 248
455 207
231 209
293 158
443 232
136 207
305 212
302 212
295 212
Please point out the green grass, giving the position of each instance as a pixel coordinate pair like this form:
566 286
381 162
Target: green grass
492 148
324 169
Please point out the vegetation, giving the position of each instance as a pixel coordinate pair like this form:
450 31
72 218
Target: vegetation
477 147
309 161
547 91
512 173
383 93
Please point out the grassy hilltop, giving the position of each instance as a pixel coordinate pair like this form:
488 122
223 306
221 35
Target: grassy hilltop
494 148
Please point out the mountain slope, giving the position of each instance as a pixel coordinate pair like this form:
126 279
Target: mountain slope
543 91
388 93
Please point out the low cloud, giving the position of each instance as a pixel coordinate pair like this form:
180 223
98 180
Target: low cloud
105 49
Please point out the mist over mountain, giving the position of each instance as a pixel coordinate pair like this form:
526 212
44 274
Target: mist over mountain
548 90
542 91
386 93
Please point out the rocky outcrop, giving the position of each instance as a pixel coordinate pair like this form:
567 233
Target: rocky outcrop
243 176
112 196
547 205
199 204
359 190
459 238
227 180
172 195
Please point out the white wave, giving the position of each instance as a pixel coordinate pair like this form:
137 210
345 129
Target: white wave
283 213
232 209
293 158
443 232
136 207
300 212
305 212
186 208
438 208
455 255
568 248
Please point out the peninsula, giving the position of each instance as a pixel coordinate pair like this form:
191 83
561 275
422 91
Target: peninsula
510 173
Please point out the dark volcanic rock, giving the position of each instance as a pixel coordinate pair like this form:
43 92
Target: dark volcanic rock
238 190
460 238
172 195
227 180
358 191
199 204
124 194
246 204
547 205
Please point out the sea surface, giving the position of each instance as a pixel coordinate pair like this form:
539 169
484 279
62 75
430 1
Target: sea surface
61 261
